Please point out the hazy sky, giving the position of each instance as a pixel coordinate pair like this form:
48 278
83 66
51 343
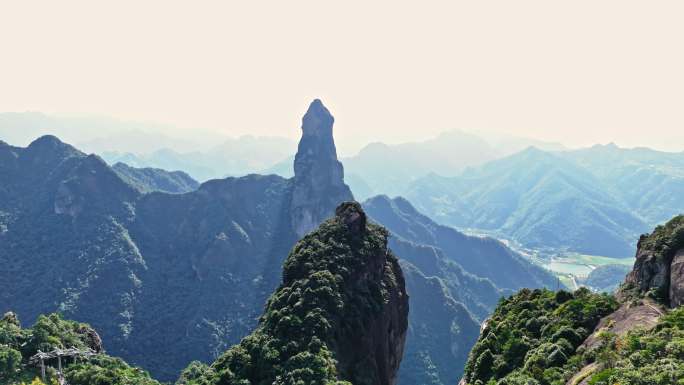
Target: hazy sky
579 72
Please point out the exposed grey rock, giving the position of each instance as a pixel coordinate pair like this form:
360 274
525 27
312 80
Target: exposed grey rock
319 177
659 268
677 279
650 272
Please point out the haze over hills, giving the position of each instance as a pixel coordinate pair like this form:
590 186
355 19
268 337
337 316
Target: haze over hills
650 182
201 153
154 179
593 201
98 135
377 168
233 157
189 272
389 169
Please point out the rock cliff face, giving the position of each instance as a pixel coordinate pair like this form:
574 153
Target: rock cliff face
340 314
319 176
659 267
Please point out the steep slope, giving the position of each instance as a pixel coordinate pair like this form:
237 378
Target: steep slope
319 176
447 300
651 182
634 338
440 335
340 314
154 179
537 198
484 257
157 272
532 334
659 268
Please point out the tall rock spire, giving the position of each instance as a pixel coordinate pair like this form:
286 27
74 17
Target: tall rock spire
319 177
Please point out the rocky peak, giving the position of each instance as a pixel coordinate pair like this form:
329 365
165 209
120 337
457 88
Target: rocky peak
340 314
51 146
319 177
352 215
659 267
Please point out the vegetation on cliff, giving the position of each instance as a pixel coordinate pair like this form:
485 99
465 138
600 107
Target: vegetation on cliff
654 357
339 315
544 338
532 336
50 332
666 239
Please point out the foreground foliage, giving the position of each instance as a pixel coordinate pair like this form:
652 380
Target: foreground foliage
532 336
655 357
49 332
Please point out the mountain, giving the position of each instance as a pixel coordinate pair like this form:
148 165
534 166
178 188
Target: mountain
388 169
77 341
635 337
481 256
340 314
99 134
318 175
202 154
448 300
168 278
153 272
232 157
155 179
540 199
440 335
381 168
649 181
659 267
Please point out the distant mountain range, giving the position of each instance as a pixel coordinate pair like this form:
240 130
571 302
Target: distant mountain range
202 154
155 179
594 201
381 168
160 265
233 157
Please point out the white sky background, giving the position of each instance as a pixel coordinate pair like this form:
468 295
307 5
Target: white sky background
577 72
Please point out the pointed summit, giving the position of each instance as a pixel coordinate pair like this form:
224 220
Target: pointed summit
49 151
317 121
319 177
317 139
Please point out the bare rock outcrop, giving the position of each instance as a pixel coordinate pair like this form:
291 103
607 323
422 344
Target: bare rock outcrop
677 279
659 267
319 177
